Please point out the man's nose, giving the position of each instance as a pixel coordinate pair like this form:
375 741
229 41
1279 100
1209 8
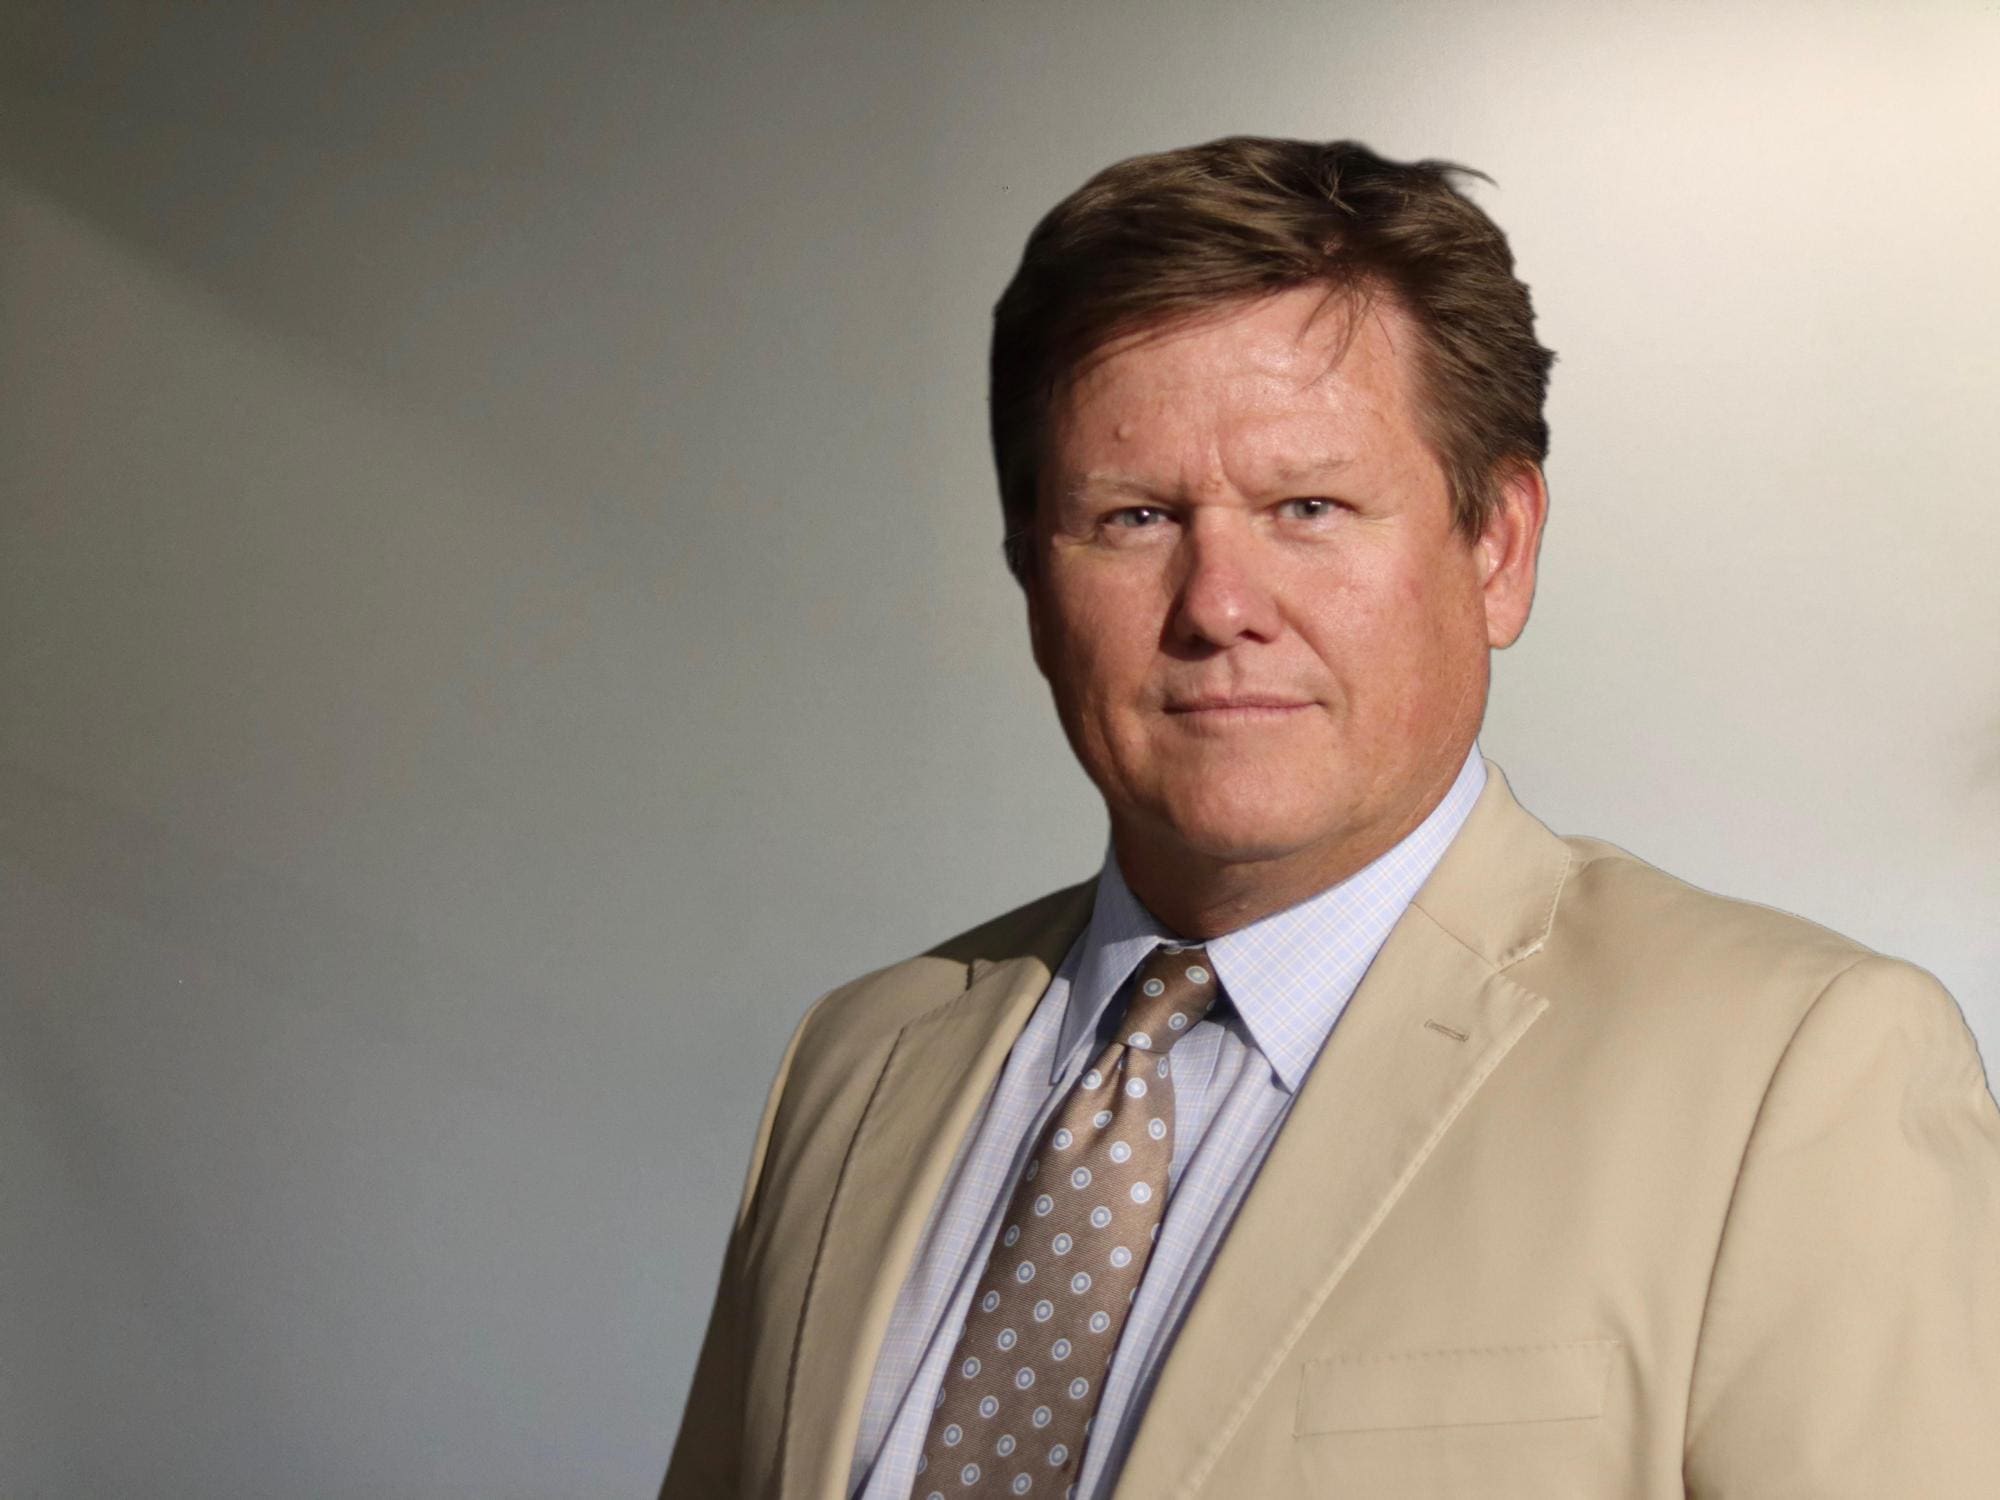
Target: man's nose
1226 586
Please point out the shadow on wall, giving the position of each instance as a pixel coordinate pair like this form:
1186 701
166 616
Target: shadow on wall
514 222
315 1124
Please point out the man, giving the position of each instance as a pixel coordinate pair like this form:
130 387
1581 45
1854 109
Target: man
1350 1134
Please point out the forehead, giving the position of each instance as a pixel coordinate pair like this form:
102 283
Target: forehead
1246 395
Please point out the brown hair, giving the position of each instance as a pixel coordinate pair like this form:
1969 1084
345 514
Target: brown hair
1159 240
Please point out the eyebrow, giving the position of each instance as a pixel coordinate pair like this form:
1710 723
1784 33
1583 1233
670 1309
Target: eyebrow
1099 484
1310 468
1286 474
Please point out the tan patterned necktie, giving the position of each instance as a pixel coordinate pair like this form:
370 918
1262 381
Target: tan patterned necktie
1017 1400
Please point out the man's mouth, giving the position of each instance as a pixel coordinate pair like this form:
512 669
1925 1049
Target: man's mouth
1237 707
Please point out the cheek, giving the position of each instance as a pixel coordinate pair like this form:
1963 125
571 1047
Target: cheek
1093 684
1451 627
1103 650
1399 643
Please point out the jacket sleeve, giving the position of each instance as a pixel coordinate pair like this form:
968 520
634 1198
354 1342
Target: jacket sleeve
1850 1346
706 1463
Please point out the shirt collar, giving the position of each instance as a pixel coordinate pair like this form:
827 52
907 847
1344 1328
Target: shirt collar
1289 974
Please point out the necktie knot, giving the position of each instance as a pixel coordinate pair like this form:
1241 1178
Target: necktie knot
1172 990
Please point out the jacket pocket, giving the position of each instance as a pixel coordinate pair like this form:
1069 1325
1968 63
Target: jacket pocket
1454 1387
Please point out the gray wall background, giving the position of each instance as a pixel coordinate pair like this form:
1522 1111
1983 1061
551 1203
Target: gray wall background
500 606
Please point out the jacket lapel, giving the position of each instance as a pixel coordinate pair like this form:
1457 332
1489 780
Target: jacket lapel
938 1071
1431 1021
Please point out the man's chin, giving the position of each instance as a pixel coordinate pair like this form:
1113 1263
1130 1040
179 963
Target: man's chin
1243 840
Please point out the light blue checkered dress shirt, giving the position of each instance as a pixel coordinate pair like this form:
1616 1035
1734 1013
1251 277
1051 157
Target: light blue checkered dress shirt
1285 979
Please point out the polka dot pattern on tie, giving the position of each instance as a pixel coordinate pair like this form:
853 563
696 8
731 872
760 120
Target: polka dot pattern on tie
1085 1211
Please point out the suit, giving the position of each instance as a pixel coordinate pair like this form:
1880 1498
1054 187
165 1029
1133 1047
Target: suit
1602 1186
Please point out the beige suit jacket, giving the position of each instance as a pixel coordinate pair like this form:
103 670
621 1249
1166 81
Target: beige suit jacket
1603 1186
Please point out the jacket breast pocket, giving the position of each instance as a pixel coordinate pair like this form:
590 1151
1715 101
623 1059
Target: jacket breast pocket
1454 1387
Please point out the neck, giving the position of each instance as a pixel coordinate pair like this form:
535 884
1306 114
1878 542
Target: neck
1200 895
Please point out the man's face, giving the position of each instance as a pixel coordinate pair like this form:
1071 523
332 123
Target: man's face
1266 640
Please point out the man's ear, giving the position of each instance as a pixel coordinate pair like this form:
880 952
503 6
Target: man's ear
1508 547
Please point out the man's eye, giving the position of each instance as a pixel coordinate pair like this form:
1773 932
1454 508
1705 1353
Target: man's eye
1310 507
1132 517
